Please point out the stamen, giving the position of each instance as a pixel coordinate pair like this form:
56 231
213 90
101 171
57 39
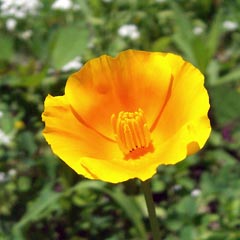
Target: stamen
131 131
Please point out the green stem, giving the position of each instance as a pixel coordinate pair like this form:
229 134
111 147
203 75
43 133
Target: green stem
151 209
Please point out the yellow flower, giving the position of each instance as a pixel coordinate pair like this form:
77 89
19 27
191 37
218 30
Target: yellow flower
122 117
19 124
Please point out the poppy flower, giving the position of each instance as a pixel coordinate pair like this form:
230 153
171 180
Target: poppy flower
122 117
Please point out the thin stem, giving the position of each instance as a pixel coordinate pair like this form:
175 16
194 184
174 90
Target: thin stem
151 209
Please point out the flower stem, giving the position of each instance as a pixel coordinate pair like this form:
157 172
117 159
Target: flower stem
151 209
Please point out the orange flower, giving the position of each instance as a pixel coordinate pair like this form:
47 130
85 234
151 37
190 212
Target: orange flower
121 118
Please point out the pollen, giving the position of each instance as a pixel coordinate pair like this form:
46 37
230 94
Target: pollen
131 131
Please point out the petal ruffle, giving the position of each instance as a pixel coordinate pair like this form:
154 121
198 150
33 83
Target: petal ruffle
70 139
106 86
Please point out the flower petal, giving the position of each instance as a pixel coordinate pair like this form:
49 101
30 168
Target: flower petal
171 151
118 170
106 85
187 106
70 139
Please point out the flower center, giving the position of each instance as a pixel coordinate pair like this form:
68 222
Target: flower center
131 131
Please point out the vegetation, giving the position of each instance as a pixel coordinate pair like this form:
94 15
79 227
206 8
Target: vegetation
41 197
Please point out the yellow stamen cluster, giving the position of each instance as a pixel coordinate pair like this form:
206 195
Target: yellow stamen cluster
131 131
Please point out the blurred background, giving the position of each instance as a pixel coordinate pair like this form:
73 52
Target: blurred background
41 43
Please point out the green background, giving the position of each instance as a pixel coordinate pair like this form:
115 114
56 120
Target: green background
42 198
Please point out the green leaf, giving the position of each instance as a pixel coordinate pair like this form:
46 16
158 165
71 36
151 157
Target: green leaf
46 200
208 186
33 80
200 52
24 183
70 43
27 142
161 44
183 33
212 72
116 45
128 204
233 75
183 23
187 206
131 209
225 104
174 224
213 37
189 233
185 47
6 46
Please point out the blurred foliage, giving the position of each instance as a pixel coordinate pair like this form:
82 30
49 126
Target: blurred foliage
41 198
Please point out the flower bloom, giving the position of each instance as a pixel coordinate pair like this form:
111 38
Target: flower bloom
64 5
72 65
122 117
230 25
4 138
11 24
19 9
130 31
198 30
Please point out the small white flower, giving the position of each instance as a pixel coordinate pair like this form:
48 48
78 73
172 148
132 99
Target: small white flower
230 25
129 30
11 24
198 30
12 172
2 177
196 192
64 5
1 114
74 64
177 187
4 138
18 13
20 8
26 34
